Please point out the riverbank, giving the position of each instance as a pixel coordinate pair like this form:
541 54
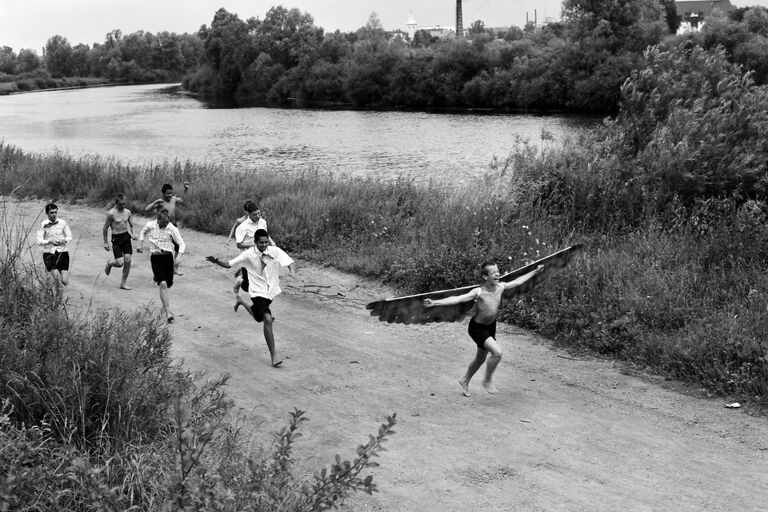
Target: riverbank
660 300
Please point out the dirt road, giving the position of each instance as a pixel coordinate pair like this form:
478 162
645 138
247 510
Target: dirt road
564 433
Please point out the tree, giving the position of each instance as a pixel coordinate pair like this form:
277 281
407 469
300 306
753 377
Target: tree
7 60
58 53
670 15
28 61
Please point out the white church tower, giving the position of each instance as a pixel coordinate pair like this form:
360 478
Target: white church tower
411 26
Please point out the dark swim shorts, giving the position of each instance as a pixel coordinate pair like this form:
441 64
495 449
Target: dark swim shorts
121 245
162 267
481 332
260 308
56 260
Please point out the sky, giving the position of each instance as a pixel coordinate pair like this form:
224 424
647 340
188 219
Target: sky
29 23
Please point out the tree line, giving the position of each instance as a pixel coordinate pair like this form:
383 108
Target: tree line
283 59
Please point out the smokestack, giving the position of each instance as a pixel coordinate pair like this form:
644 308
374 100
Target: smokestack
459 20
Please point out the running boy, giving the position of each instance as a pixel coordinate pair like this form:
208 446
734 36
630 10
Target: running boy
263 262
482 326
244 237
169 202
120 222
53 236
162 235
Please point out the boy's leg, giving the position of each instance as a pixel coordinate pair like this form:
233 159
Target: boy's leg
165 301
270 339
475 365
126 270
239 301
492 346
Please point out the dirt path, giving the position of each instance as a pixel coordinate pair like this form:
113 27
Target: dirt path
565 433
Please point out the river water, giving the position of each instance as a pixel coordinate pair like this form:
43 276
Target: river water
157 123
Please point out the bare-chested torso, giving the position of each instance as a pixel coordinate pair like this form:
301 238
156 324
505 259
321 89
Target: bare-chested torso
487 304
119 220
170 205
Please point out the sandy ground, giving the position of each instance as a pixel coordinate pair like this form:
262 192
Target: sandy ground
565 433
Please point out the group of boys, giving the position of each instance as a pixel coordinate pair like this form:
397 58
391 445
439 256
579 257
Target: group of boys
258 270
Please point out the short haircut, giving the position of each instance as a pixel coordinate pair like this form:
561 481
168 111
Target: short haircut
484 267
167 186
246 204
251 207
50 206
163 215
120 197
260 233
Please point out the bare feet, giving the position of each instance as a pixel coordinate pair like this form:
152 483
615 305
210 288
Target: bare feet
464 388
240 302
171 319
490 387
108 268
277 364
124 287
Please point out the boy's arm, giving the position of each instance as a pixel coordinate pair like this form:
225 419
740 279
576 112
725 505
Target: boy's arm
234 228
130 226
176 235
67 234
143 232
151 206
221 263
523 278
105 231
456 299
41 236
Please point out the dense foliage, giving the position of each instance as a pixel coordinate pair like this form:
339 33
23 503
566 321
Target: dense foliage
578 63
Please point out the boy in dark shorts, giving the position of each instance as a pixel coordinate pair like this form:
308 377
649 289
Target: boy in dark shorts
263 263
168 202
482 326
162 235
120 222
53 236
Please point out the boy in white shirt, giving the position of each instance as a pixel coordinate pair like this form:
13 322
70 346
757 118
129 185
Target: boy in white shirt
263 262
53 236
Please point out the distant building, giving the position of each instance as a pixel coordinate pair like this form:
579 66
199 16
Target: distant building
434 31
693 13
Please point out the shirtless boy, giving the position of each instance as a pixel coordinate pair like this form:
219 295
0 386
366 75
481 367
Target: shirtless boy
482 326
169 202
120 222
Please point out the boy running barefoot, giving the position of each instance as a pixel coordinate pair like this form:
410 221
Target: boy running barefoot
482 326
120 222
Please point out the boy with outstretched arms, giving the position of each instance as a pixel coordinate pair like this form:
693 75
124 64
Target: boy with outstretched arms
53 236
482 326
162 236
120 222
168 202
263 263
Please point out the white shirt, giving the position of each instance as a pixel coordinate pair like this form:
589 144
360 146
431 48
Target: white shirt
246 229
48 233
263 270
162 238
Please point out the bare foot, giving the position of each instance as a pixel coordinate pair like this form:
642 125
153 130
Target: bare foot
490 387
240 302
108 268
171 319
464 388
124 287
277 364
178 272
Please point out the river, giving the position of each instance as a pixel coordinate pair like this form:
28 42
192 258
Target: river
158 123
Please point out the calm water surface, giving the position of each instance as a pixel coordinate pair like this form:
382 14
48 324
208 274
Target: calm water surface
157 123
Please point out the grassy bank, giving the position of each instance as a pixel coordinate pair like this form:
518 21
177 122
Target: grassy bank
38 81
95 415
684 301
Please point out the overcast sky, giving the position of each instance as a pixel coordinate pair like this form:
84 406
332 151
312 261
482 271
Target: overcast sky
29 23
